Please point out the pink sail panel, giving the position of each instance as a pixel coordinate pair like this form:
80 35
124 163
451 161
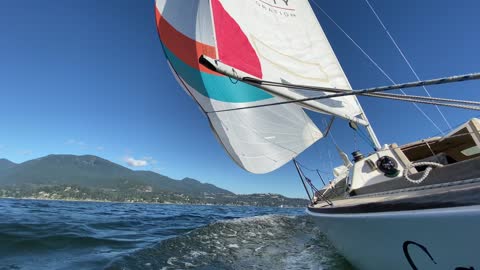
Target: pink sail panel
234 48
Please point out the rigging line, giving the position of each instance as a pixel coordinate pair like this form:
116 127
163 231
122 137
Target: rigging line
305 167
395 86
355 141
376 65
406 60
321 178
329 126
315 144
310 169
458 125
305 116
335 142
300 174
435 140
447 100
376 90
330 159
365 138
366 92
440 103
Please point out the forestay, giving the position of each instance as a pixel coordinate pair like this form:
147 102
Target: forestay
273 40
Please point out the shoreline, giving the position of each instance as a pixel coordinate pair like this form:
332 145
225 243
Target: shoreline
154 203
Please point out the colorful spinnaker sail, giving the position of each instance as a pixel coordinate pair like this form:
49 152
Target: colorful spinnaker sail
278 41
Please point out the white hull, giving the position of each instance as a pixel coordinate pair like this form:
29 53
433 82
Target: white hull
385 240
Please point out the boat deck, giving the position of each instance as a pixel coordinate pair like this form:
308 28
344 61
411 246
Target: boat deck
468 169
454 194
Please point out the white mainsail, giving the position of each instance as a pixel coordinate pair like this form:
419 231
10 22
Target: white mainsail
273 40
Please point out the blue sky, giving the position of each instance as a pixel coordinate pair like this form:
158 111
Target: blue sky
89 77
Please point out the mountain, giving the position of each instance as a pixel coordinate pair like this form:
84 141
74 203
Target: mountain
95 172
6 164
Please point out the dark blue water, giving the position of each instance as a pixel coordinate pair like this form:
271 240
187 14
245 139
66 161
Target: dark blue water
84 235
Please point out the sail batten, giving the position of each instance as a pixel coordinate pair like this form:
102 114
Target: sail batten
280 42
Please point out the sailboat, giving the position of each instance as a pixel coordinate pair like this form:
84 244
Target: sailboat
254 67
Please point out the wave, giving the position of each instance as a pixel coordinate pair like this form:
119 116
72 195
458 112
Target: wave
27 237
266 242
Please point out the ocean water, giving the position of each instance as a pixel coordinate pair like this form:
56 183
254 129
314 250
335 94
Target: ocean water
86 235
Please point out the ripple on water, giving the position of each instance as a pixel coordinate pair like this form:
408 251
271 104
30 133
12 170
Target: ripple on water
267 242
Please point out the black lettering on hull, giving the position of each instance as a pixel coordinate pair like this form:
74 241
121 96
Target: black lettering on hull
406 244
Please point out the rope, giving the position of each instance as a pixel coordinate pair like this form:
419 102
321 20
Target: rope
377 66
428 98
406 60
425 173
410 99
